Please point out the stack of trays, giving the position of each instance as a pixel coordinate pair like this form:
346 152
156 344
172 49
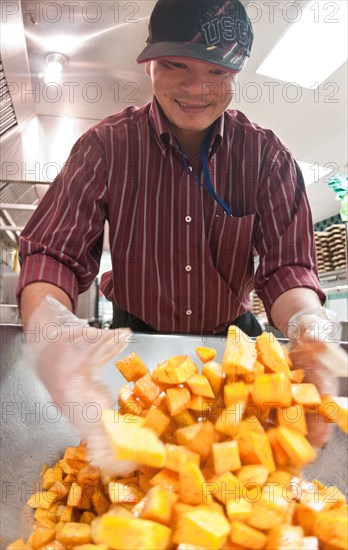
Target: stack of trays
337 245
323 251
257 305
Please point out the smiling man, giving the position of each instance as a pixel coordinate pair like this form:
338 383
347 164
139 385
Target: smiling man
192 191
192 95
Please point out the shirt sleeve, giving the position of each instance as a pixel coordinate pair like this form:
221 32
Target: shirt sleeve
62 242
284 237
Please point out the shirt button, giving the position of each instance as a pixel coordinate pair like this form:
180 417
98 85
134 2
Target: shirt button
189 312
188 219
188 268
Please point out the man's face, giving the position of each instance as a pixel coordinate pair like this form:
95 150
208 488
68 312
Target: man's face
192 94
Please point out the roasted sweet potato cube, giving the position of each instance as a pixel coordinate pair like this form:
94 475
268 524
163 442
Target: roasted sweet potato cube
184 419
281 478
40 537
270 509
216 376
205 354
166 479
131 367
331 528
297 376
293 417
272 390
226 457
240 353
71 467
251 424
75 495
178 455
177 400
199 385
199 438
305 394
281 457
146 389
88 475
124 492
50 477
62 489
258 369
235 392
256 474
72 534
239 509
201 405
299 450
271 354
285 537
180 508
43 499
87 517
225 488
202 528
128 402
45 524
131 441
158 506
41 514
254 448
99 501
306 513
246 536
168 435
68 514
314 498
191 489
156 420
144 482
176 370
126 533
76 453
228 422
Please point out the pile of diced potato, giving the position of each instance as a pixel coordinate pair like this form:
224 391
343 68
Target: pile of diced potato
219 457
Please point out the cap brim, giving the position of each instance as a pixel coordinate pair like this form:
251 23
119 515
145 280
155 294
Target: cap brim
215 56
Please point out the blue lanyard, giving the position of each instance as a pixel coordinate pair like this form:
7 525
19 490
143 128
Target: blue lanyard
208 184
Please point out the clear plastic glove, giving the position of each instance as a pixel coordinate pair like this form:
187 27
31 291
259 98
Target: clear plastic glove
66 354
314 335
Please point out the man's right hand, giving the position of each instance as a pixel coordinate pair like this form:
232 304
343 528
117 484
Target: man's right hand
67 354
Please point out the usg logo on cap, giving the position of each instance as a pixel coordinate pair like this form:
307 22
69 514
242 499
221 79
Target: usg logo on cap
217 32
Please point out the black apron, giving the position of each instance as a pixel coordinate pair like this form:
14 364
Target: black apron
246 322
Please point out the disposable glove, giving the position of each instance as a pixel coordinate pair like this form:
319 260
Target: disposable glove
314 335
66 355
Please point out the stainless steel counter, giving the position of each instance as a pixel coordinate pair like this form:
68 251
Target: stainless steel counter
34 431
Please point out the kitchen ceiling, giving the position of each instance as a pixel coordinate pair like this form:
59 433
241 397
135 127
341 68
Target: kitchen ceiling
100 40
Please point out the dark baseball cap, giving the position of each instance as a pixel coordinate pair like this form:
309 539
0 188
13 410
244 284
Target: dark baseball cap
217 32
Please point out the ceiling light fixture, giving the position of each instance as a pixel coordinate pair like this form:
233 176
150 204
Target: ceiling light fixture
313 47
55 62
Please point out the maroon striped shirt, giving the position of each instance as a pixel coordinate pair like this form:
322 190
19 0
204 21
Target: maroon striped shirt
179 262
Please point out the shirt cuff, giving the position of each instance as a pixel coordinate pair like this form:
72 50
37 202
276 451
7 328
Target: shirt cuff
286 278
39 268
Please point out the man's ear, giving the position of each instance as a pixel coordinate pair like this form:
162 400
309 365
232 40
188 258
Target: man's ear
147 68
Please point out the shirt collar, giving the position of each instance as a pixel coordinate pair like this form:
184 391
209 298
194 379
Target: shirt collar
164 137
